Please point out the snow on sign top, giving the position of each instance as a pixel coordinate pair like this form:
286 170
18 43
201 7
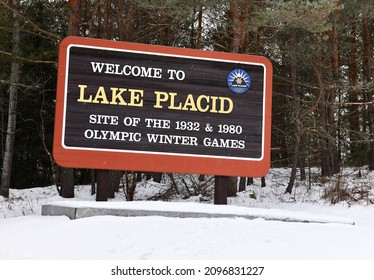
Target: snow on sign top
130 106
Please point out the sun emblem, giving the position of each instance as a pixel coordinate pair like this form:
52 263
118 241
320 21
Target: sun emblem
238 81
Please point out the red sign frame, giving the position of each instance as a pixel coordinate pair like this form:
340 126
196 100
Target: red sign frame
158 162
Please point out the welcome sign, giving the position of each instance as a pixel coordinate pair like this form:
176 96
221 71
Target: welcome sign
131 106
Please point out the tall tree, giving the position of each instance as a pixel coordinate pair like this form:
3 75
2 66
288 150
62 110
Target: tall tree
297 113
67 174
368 78
238 20
12 112
298 32
354 113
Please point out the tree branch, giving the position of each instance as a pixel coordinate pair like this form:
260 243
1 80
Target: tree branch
27 20
26 59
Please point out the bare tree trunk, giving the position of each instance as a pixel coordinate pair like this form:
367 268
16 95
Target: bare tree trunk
238 16
239 20
232 186
173 183
165 33
130 185
354 119
73 24
249 181
295 158
125 22
67 174
99 21
301 164
192 27
93 181
12 114
298 124
326 160
367 79
199 27
107 20
333 129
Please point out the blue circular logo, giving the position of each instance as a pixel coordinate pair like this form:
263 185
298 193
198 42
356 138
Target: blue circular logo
239 81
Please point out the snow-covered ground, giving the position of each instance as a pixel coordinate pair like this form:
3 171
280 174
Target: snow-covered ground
25 234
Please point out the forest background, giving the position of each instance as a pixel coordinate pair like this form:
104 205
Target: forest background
321 51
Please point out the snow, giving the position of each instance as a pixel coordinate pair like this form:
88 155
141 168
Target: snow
108 237
26 235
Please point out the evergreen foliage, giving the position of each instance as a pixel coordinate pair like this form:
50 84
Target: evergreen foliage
322 99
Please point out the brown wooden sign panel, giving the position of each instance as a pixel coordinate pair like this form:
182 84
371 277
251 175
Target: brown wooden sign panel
131 106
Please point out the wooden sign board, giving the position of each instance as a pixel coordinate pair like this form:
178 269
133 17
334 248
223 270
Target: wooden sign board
130 106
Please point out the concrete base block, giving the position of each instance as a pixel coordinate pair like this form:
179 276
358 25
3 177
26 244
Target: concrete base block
56 210
77 210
